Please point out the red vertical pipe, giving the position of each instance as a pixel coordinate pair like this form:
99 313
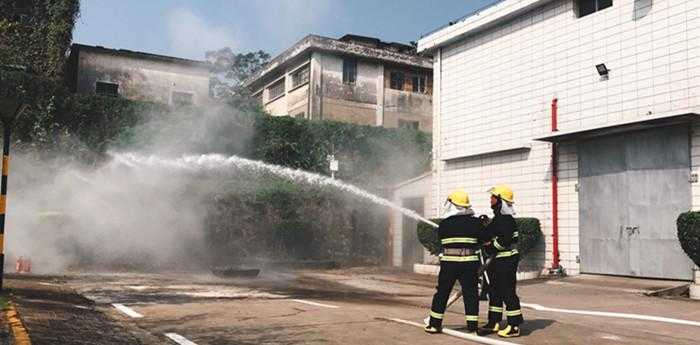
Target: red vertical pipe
555 192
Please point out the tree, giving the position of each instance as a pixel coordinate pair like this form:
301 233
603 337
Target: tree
230 70
37 34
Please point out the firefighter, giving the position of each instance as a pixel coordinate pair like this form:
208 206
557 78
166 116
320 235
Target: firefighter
502 271
461 235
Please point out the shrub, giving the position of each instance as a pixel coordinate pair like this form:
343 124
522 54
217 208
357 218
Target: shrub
272 219
688 224
529 234
427 235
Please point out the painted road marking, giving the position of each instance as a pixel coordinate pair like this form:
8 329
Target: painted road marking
126 310
616 315
472 337
316 304
19 332
179 339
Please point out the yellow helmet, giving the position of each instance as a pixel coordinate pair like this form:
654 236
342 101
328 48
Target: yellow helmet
459 198
504 192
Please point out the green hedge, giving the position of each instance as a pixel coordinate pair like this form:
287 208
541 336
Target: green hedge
688 224
276 220
529 234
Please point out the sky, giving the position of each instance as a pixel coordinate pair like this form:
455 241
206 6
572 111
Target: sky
189 28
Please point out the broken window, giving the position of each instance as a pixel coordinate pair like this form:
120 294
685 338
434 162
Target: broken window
300 76
275 90
420 83
396 80
409 124
586 7
349 70
182 98
107 89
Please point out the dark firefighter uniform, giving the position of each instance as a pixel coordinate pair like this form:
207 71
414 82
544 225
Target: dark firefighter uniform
502 271
461 237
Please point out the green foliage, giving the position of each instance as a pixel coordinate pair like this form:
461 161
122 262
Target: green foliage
529 234
230 70
37 34
272 219
56 120
428 237
688 225
370 156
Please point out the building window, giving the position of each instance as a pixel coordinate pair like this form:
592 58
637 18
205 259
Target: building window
182 98
300 76
349 71
396 80
420 83
275 90
408 124
107 89
586 7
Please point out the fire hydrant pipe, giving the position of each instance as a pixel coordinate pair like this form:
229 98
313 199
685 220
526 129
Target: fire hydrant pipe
555 192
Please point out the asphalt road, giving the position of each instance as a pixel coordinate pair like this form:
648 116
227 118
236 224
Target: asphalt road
356 306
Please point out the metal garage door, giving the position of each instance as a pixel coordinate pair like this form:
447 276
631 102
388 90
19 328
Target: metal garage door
632 187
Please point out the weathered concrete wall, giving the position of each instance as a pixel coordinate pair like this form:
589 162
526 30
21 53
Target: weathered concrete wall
295 101
278 106
408 106
368 101
141 79
364 90
298 101
356 103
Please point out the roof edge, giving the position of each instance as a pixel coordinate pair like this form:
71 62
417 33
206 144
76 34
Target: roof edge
144 55
477 21
327 44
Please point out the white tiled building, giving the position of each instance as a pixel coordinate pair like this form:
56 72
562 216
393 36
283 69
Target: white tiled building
626 148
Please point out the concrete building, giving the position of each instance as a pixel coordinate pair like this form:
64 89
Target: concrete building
137 75
353 79
589 110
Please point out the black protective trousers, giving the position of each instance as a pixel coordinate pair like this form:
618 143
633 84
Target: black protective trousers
502 273
467 274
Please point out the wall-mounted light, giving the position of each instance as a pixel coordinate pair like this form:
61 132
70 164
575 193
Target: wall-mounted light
603 71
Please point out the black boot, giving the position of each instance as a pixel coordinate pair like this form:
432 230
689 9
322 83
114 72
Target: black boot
489 328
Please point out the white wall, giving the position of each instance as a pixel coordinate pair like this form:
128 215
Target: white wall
495 89
419 188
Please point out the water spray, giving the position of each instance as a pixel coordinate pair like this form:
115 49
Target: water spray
217 162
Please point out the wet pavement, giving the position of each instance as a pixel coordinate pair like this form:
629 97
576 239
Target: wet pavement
348 306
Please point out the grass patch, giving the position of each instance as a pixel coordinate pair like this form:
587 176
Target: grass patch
4 301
